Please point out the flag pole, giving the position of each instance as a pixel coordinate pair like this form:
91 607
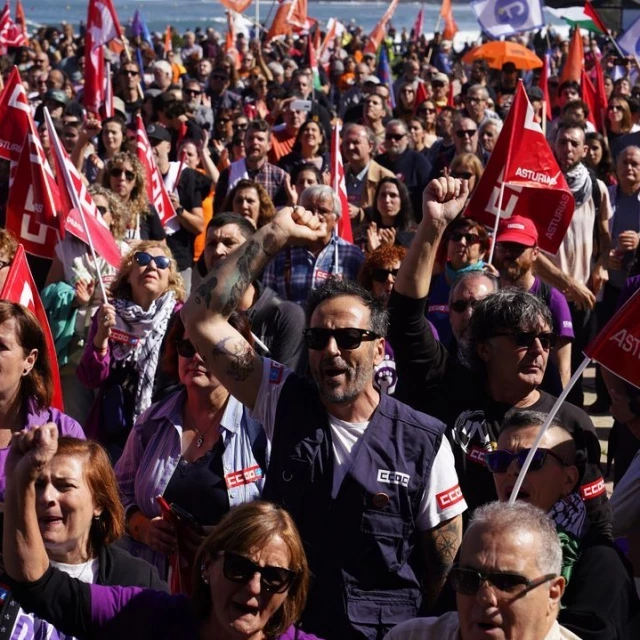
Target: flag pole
497 222
78 206
552 414
544 117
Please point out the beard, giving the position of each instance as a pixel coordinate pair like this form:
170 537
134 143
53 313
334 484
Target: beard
351 383
512 271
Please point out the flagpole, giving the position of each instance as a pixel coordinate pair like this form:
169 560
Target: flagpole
544 117
552 414
497 222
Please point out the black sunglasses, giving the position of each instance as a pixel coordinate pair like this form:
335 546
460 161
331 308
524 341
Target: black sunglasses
193 92
466 133
185 348
524 340
471 238
103 210
460 306
143 259
462 175
395 136
129 72
117 173
381 275
349 338
498 461
240 570
469 581
426 110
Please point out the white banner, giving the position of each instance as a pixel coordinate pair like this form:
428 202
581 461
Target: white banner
500 18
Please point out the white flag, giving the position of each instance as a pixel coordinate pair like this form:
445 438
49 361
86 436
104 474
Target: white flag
500 18
629 41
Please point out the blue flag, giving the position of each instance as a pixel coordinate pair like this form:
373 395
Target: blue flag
384 73
139 27
141 67
499 18
629 41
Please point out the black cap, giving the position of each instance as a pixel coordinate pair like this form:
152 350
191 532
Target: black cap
57 95
158 133
535 93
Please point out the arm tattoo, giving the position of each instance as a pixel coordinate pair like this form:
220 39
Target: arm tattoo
205 290
240 358
247 267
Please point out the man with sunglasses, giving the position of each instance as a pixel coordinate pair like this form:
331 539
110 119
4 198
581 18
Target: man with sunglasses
367 480
194 97
475 105
409 166
508 581
509 341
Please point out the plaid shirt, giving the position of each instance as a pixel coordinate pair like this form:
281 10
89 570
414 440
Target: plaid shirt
295 271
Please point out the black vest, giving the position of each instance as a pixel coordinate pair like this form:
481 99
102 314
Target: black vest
360 545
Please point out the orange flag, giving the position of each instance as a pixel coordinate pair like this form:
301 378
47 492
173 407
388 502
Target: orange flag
572 69
21 19
281 26
377 35
168 44
450 26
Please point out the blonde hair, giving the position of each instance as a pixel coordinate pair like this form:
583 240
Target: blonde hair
117 209
138 204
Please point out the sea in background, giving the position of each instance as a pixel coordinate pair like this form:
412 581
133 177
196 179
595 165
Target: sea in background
189 14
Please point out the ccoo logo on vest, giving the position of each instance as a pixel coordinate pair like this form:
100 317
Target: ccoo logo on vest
393 477
512 12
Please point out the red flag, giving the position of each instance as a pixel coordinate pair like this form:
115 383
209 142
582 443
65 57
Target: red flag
617 346
534 185
339 185
19 287
595 18
421 96
281 25
450 26
21 19
575 59
601 98
168 40
83 219
418 25
544 86
236 5
298 16
589 96
378 33
156 191
11 35
15 116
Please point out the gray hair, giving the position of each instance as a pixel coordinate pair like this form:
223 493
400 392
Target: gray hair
523 517
510 309
473 275
398 123
487 121
479 89
321 191
627 149
164 66
276 68
371 137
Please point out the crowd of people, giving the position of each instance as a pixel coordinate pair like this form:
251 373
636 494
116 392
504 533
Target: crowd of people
276 428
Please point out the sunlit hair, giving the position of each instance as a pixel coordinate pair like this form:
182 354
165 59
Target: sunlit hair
102 482
471 160
117 208
267 210
8 245
37 385
242 530
121 288
138 203
382 258
625 125
297 145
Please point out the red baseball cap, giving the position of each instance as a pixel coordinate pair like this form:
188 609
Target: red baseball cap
518 229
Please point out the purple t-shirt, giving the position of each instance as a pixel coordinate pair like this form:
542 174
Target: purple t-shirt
559 307
67 426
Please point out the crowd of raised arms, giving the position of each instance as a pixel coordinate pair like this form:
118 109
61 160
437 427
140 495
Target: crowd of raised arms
298 407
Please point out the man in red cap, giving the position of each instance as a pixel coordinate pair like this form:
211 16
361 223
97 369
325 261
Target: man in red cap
516 251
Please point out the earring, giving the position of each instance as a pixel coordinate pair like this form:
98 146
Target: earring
202 573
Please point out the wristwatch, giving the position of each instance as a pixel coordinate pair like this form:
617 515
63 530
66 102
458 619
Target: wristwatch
179 211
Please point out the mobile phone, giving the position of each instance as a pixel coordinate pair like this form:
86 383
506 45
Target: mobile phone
185 517
301 105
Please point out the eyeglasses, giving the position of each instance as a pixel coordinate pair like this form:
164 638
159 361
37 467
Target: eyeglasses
349 338
462 175
103 210
193 92
223 120
395 136
500 460
615 107
185 348
525 340
460 306
143 259
129 72
381 275
471 238
240 126
466 133
240 570
117 173
469 581
426 110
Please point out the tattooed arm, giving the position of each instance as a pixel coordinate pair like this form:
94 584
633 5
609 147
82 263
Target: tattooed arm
439 546
205 313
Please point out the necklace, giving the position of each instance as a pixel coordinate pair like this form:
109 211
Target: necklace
203 434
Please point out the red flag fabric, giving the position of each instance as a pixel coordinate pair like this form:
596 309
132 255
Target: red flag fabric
15 115
601 98
78 204
339 185
281 25
378 33
421 96
575 59
11 34
595 18
418 25
156 191
617 346
21 19
19 287
589 97
236 5
450 26
534 185
544 86
298 16
168 40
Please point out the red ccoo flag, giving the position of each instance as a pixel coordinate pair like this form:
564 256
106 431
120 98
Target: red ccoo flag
19 287
617 346
156 191
534 185
418 25
377 35
15 115
340 186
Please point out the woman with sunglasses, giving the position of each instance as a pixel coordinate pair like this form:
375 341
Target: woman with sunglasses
125 176
597 577
428 114
406 101
72 295
250 581
124 344
466 243
467 166
618 119
198 448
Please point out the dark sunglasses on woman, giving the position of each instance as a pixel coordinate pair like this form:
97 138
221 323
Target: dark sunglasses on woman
471 238
381 275
117 172
185 348
499 461
240 570
349 338
143 259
